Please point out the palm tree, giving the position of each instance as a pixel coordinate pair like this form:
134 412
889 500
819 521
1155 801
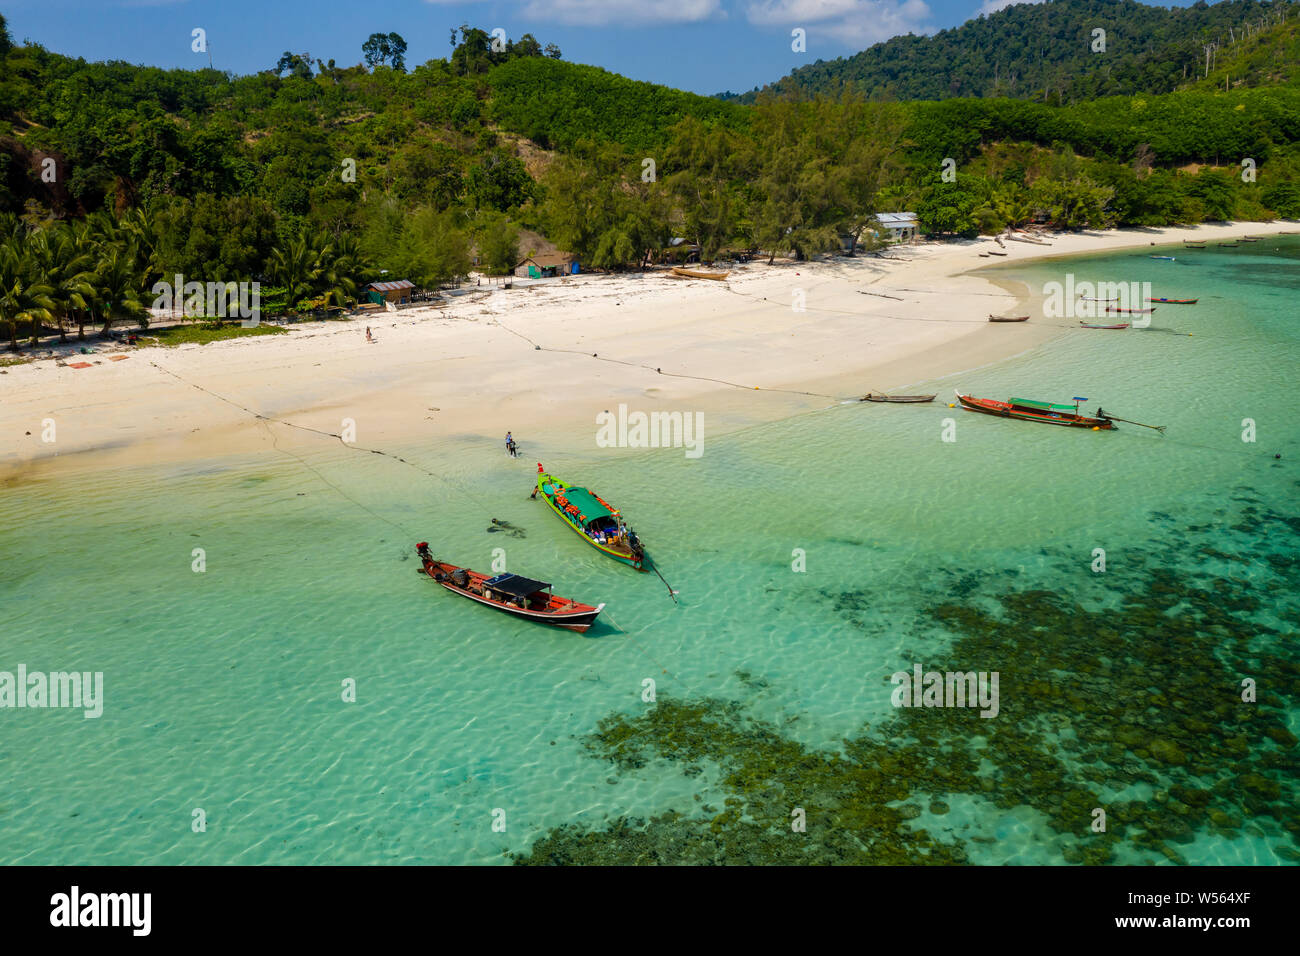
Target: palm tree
67 268
22 298
117 282
297 267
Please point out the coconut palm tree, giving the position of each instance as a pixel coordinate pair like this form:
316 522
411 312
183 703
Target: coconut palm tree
67 269
117 287
23 298
296 266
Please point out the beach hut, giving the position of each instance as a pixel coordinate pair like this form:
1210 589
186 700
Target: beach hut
896 226
547 265
397 292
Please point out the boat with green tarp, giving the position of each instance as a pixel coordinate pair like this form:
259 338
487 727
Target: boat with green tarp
600 524
1030 410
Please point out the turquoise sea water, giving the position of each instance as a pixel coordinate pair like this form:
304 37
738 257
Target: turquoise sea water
223 688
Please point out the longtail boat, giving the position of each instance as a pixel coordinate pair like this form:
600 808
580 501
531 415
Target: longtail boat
1132 311
872 397
1090 298
1248 239
1175 301
1170 258
1227 245
595 519
696 274
512 593
994 252
1093 325
1032 411
1194 243
1008 318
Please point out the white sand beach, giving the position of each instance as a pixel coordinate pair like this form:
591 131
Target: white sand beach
470 367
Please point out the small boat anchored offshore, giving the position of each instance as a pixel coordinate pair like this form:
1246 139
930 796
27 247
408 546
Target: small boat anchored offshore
512 593
1093 325
1033 411
1169 258
1175 301
1008 318
599 523
1132 311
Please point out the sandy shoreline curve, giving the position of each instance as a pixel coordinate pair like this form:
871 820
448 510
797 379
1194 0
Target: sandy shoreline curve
471 367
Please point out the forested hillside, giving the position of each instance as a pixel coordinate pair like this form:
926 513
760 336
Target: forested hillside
313 178
1048 51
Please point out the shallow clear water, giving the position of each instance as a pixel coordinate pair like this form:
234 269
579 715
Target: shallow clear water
223 689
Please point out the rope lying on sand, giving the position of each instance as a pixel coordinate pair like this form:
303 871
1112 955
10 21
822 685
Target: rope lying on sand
700 378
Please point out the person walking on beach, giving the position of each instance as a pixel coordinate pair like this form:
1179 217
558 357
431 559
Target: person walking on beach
511 448
369 337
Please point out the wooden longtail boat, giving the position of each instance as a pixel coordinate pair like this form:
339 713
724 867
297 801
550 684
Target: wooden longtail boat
1170 258
1091 325
1227 245
1032 411
1194 244
1175 301
994 252
1248 239
599 524
695 274
871 397
1132 311
1090 298
512 593
1008 318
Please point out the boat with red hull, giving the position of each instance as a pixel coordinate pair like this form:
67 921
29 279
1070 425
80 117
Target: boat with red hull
512 593
1175 301
1033 411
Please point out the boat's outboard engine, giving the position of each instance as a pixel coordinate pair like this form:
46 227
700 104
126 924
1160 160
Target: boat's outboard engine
460 578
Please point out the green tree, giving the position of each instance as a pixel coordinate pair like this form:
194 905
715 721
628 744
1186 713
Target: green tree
24 297
385 48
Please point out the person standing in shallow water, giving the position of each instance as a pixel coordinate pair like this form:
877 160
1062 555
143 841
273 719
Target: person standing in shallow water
511 448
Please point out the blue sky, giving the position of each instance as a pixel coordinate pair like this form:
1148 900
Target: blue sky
702 45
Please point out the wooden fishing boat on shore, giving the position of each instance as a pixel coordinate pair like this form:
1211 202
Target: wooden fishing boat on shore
1032 411
1175 301
1093 325
598 522
512 593
872 397
994 252
1008 318
1226 245
1132 311
697 274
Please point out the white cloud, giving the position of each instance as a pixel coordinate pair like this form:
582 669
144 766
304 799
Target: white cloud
993 6
622 12
848 23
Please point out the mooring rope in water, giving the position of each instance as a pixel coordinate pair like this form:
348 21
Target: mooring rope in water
671 593
327 434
